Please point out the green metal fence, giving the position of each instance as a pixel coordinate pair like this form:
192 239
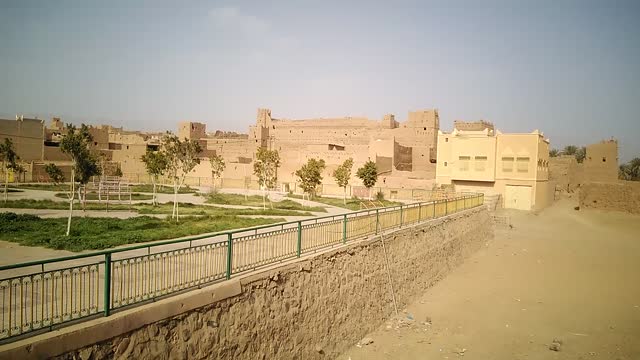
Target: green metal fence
42 295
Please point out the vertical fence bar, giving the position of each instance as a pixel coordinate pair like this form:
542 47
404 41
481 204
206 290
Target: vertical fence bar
400 215
229 254
377 220
299 238
344 229
107 284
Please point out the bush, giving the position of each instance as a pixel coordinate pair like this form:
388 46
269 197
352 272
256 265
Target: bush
380 196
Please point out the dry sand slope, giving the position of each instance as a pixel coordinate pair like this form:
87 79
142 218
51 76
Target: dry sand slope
564 275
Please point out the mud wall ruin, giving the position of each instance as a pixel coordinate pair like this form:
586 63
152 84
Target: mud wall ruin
314 308
362 139
620 196
27 136
565 171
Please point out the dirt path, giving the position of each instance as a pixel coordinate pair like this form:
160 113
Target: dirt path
563 274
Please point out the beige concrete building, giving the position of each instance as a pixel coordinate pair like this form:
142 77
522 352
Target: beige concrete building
512 167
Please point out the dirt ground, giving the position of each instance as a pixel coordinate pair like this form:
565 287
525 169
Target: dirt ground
565 275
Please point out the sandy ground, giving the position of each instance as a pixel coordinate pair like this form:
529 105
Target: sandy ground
572 276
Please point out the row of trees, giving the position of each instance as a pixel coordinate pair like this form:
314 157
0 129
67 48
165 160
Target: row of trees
310 175
579 152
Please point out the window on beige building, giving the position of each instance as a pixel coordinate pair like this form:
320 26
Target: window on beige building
523 164
507 164
464 162
480 163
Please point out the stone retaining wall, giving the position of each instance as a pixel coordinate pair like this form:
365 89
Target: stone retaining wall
314 308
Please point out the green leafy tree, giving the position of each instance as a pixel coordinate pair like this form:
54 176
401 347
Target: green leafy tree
310 176
55 173
182 157
156 164
368 173
570 150
554 152
88 167
217 167
265 167
9 160
342 175
76 143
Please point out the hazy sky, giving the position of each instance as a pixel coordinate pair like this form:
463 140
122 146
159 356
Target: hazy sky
568 68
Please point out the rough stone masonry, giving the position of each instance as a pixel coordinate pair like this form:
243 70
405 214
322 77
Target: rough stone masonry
311 309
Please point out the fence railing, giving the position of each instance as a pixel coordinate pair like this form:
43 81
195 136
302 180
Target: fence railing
42 295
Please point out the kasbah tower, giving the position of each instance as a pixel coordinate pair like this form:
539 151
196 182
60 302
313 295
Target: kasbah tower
404 152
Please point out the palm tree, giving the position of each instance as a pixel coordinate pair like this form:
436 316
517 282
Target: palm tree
630 171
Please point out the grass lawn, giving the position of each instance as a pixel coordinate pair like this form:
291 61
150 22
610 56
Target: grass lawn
147 209
191 209
103 233
147 188
57 205
256 200
113 196
48 187
352 204
142 188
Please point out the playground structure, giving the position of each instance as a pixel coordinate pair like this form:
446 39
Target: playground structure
110 188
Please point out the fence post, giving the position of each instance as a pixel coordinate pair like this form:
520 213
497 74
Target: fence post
229 254
344 229
446 207
107 284
377 221
401 215
299 238
419 212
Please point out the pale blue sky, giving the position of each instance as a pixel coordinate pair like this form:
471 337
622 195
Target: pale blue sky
568 68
